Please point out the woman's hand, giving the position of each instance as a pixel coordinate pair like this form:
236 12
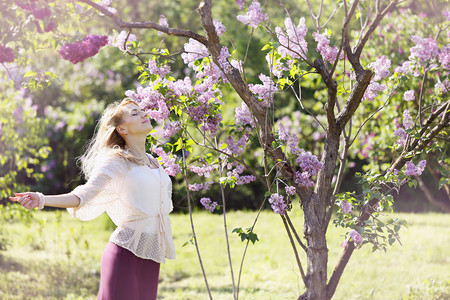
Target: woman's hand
29 200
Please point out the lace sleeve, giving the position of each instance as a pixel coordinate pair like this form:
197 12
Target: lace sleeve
99 191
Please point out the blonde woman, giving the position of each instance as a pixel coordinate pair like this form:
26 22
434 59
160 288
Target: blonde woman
134 190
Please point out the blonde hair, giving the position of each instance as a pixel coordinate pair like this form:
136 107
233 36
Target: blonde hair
106 139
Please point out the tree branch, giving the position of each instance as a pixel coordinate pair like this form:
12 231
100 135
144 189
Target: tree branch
146 24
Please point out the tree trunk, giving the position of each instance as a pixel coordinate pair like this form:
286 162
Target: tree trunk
317 252
444 206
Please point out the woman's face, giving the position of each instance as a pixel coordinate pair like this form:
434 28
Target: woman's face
134 121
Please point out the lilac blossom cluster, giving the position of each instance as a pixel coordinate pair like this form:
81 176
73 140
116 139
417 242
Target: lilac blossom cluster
204 170
162 22
409 95
381 68
401 132
6 54
121 41
277 203
328 53
290 190
412 170
254 15
200 186
168 160
244 179
308 162
292 41
264 91
106 4
79 51
355 236
206 202
236 148
243 116
425 49
346 207
236 173
153 67
171 128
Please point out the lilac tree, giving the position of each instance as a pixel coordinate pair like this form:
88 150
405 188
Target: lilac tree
354 84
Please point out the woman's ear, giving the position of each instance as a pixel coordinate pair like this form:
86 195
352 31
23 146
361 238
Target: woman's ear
121 130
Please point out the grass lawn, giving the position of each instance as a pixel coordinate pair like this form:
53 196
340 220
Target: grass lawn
55 256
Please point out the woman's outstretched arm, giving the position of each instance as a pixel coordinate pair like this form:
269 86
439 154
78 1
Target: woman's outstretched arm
31 200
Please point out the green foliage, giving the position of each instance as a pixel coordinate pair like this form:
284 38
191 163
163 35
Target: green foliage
246 234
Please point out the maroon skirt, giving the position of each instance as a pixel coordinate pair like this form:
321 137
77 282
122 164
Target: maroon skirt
123 275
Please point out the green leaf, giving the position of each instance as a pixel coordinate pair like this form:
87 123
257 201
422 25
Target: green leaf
30 74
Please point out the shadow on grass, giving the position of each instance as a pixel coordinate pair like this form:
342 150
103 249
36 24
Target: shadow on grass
8 265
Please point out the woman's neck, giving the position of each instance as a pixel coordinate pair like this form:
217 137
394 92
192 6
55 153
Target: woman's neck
136 150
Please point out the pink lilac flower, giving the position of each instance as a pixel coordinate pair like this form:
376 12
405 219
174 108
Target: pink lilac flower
381 67
206 202
154 69
346 207
245 179
220 28
223 61
404 68
200 186
372 90
211 124
446 14
193 51
6 54
162 22
402 135
237 64
283 134
409 95
292 42
18 114
277 67
425 48
407 120
264 91
328 53
277 203
309 162
119 41
344 244
79 51
243 116
444 57
171 129
241 3
254 15
161 113
355 236
236 148
290 190
442 87
169 161
302 179
204 170
181 87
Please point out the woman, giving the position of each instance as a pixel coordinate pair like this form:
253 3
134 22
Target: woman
134 190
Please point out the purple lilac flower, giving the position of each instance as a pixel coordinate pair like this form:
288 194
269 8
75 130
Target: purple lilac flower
171 128
409 95
346 207
241 3
372 90
425 49
6 54
220 28
277 203
168 160
444 57
446 14
355 236
193 51
106 4
243 116
290 190
283 134
245 179
236 148
119 41
277 67
206 202
223 61
407 120
292 42
79 51
442 87
412 170
404 68
309 162
154 69
181 87
204 170
162 22
302 179
254 15
328 53
402 135
200 186
18 114
381 67
211 124
264 91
